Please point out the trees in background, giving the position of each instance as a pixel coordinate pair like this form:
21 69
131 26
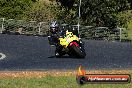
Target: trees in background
42 11
93 12
14 9
68 4
130 1
102 12
99 12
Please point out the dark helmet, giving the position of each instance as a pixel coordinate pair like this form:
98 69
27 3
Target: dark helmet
54 27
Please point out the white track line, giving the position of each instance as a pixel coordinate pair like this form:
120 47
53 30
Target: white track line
2 56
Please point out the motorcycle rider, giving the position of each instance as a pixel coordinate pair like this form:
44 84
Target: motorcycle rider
54 34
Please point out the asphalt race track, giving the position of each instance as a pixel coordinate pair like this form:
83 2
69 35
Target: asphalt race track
20 52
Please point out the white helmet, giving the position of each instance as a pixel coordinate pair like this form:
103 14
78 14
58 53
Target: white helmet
54 27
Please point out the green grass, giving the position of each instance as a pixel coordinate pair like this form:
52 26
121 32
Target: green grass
53 82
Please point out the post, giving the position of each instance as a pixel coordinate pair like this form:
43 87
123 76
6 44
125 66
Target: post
3 19
80 9
79 16
40 24
120 33
40 28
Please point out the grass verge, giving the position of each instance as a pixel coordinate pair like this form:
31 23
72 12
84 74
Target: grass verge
54 80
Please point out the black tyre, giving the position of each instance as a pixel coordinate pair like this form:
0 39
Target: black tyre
81 80
80 53
71 55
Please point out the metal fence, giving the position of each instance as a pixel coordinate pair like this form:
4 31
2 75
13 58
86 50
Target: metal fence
103 33
11 26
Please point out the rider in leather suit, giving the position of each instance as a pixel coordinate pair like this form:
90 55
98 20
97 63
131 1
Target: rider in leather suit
53 34
53 37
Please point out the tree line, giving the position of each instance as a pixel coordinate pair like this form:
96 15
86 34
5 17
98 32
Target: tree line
93 12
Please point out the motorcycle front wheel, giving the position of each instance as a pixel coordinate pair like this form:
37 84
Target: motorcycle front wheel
80 53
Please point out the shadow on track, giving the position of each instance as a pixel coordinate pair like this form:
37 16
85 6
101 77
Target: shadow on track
70 57
60 57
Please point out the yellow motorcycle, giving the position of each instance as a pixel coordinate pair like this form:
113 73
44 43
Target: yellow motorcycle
70 44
